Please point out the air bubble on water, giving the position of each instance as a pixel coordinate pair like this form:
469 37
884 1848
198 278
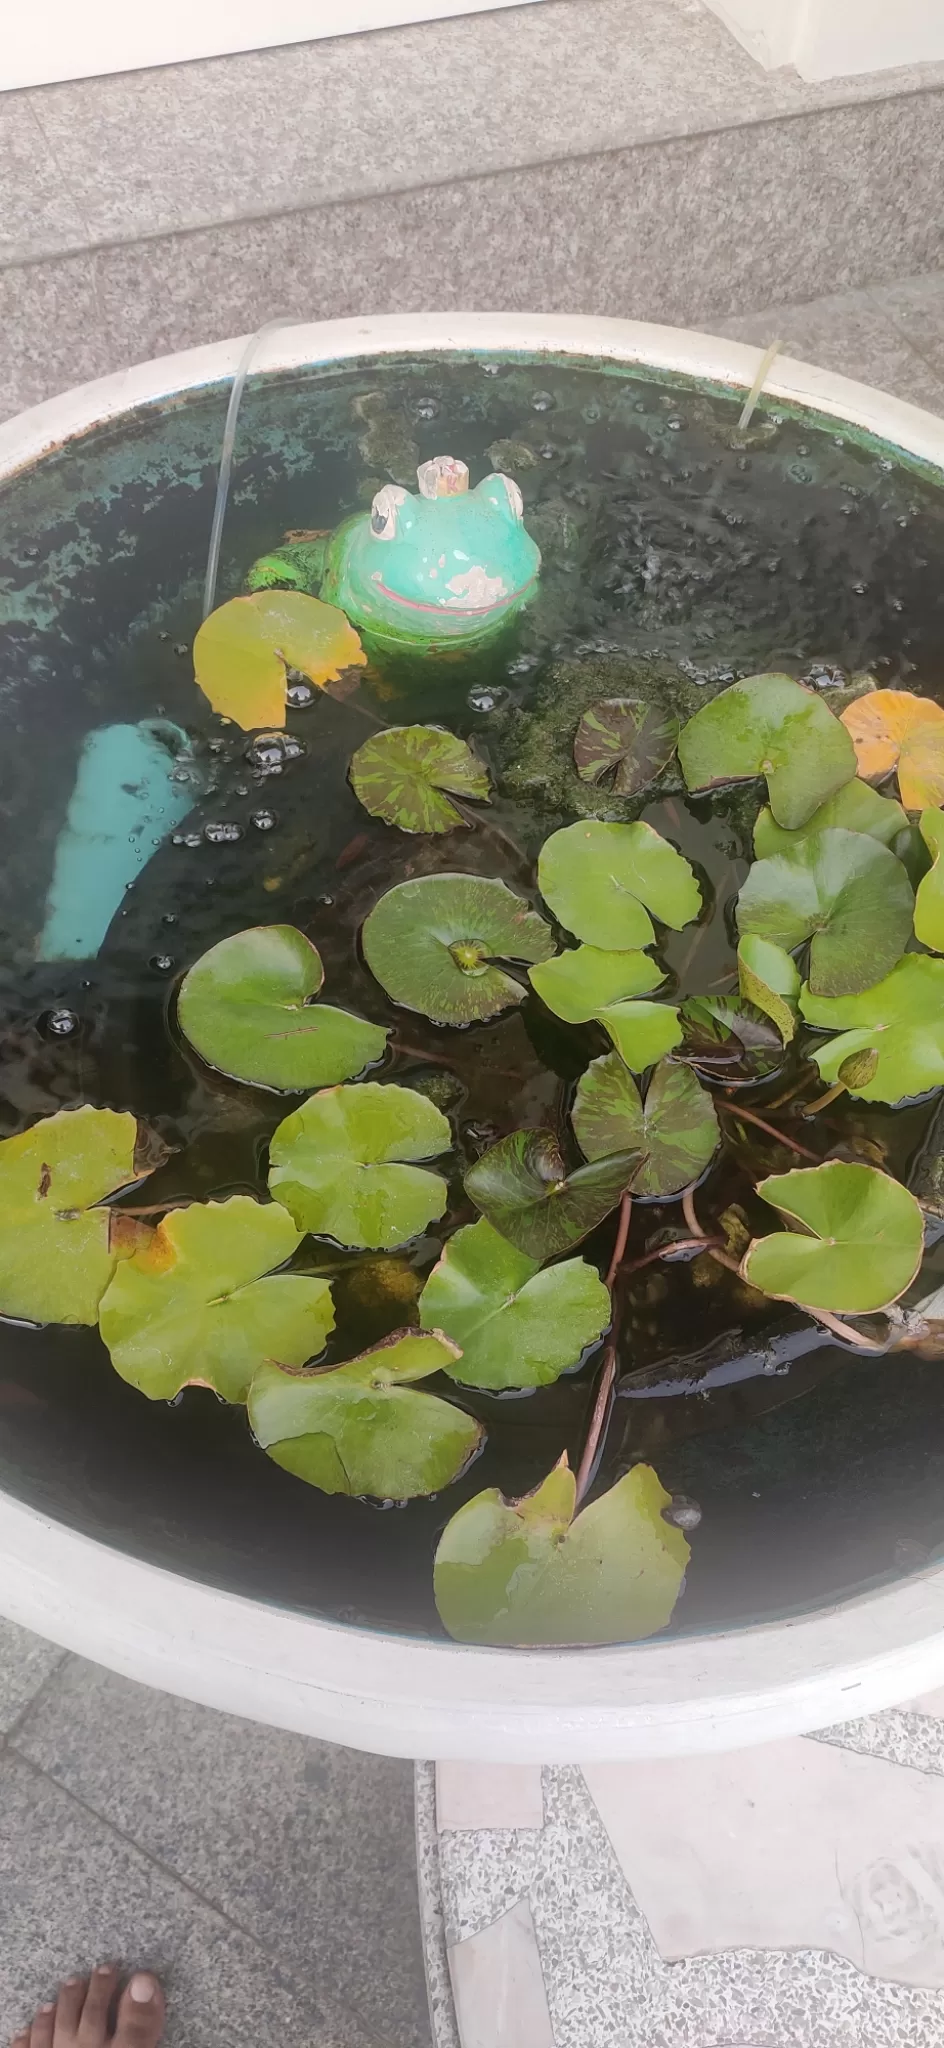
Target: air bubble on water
60 1023
674 426
263 820
187 839
162 962
592 412
169 917
491 369
325 902
426 407
860 589
180 648
300 695
268 751
181 775
522 665
222 832
483 700
542 401
682 1512
240 789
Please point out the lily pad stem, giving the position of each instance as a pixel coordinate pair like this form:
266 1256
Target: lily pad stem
750 1116
820 1315
603 1402
823 1101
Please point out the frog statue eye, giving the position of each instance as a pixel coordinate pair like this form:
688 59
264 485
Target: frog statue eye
383 512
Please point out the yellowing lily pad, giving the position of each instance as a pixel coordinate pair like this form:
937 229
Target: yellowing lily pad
532 1572
517 1326
858 1245
600 881
772 726
401 775
522 1186
248 1007
58 1249
243 649
578 984
895 729
929 902
337 1165
901 1019
675 1129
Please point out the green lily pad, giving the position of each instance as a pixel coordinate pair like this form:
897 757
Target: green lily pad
856 807
401 776
929 902
642 1032
531 1572
622 744
57 1248
435 944
578 984
360 1428
772 726
846 893
248 1008
336 1165
770 980
522 1186
517 1326
901 1018
859 1243
675 1129
601 880
729 1040
192 1308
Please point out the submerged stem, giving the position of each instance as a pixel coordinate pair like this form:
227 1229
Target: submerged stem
750 1116
839 1329
601 1406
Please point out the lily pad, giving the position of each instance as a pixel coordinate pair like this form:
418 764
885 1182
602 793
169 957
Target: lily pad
434 944
642 1032
192 1308
675 1129
622 744
770 979
243 649
248 1008
858 1245
522 1186
58 1250
929 902
597 878
517 1326
846 893
895 729
360 1428
730 1040
401 776
901 1018
576 985
855 808
772 726
532 1572
336 1165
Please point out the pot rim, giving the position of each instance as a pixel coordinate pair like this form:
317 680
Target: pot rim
417 1697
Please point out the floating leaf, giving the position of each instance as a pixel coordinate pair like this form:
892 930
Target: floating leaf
770 980
846 893
622 744
642 1032
596 878
929 902
243 649
433 944
530 1572
400 776
895 729
522 1186
248 1008
58 1250
192 1307
859 1244
578 984
360 1428
676 1129
772 726
729 1040
855 808
901 1018
517 1326
335 1165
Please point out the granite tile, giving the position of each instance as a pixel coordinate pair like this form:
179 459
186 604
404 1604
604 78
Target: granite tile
308 1847
850 332
915 306
501 2001
442 2012
39 214
902 1736
73 1892
26 1662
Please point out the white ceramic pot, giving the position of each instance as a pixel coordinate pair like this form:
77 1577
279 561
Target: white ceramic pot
435 1699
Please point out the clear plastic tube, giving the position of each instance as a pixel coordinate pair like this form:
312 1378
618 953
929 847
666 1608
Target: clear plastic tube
226 456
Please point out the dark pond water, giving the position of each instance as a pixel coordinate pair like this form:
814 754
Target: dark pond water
678 555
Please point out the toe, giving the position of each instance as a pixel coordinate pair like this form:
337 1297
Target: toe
41 2029
140 2013
69 2011
92 2031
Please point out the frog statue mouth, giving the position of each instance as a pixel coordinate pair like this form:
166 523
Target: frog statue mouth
465 601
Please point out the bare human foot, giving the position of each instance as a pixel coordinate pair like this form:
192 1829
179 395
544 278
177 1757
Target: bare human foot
80 2016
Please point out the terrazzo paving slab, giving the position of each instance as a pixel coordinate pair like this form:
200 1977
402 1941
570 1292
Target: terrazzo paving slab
26 1661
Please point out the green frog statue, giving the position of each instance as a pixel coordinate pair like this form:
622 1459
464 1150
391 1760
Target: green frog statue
442 570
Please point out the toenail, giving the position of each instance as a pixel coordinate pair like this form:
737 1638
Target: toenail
104 1970
141 1990
47 2008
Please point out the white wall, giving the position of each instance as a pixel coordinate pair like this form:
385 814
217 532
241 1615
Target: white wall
832 38
55 39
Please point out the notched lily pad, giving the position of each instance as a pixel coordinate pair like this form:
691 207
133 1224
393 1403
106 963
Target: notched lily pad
855 808
729 1040
623 744
770 980
523 1187
857 1242
929 902
675 1128
248 1008
360 1428
901 1019
642 1032
846 893
578 984
517 1326
337 1165
402 776
895 729
771 726
200 1306
436 944
58 1249
532 1573
601 881
243 649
